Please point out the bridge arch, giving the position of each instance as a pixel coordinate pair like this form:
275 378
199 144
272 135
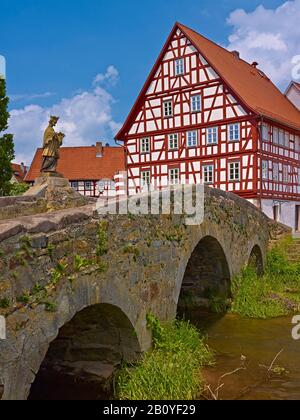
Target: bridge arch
207 274
87 349
256 260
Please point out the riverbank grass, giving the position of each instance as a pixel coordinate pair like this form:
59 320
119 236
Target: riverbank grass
171 371
275 294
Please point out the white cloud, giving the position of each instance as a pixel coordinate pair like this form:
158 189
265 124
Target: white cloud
269 36
84 118
111 76
30 96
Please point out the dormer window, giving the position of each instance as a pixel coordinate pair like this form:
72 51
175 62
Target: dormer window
179 67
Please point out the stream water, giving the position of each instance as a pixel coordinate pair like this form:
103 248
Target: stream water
251 345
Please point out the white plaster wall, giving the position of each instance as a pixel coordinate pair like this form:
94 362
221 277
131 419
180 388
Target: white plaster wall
287 211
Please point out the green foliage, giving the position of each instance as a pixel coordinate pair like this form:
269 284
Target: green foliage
171 371
132 249
275 294
102 245
50 306
80 263
18 188
50 249
4 303
24 298
6 144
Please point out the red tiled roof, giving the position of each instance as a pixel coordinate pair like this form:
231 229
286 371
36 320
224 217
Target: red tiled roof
254 89
81 163
19 172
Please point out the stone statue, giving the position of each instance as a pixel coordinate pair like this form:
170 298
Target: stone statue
51 146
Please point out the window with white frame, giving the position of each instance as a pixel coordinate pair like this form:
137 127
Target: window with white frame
168 109
265 170
179 67
275 172
74 184
266 132
192 138
145 179
174 176
275 135
196 103
235 171
145 145
212 135
208 173
88 185
173 141
281 138
234 132
287 139
285 174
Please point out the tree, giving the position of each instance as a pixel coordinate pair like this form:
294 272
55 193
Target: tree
6 144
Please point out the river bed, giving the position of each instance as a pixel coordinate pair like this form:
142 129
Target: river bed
251 345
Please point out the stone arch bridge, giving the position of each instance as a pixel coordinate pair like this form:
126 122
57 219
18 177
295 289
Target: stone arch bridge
74 285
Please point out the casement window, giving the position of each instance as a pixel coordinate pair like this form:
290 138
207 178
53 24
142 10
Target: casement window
234 132
174 176
275 172
275 135
168 109
265 170
212 135
234 171
145 145
173 140
74 184
208 174
287 139
192 138
281 138
196 105
266 132
145 179
88 186
179 67
285 174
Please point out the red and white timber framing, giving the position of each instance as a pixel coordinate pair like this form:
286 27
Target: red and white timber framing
260 143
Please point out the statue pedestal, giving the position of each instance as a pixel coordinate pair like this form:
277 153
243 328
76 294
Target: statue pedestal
56 190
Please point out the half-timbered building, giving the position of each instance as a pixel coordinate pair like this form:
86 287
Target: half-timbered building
93 171
204 114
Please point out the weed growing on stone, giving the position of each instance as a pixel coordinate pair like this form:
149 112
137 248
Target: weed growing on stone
102 245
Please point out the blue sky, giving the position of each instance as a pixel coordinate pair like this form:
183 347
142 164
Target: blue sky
55 49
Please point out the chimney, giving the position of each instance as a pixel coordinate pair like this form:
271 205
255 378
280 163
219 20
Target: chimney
23 169
236 54
99 149
254 64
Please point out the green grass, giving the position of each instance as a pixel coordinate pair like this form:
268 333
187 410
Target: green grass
171 371
275 294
